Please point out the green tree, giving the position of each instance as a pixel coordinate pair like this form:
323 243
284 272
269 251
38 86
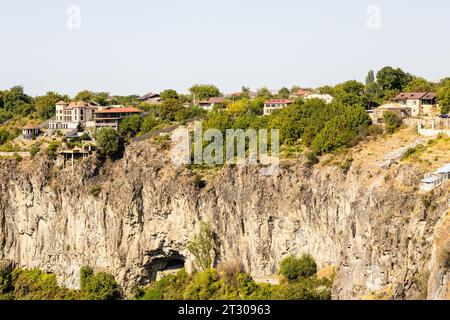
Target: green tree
284 93
264 93
148 124
203 92
17 102
169 94
202 247
350 93
45 105
100 98
443 97
100 286
418 84
130 126
392 80
85 95
391 121
293 268
108 142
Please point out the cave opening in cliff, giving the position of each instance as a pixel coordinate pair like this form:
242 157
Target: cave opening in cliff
161 265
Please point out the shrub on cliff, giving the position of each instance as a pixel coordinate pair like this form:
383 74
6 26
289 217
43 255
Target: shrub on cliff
293 268
170 287
108 142
391 121
204 286
99 286
202 247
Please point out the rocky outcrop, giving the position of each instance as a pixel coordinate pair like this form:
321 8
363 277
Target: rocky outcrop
377 233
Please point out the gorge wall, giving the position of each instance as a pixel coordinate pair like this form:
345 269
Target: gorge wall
379 233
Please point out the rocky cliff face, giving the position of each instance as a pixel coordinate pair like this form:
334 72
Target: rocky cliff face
380 235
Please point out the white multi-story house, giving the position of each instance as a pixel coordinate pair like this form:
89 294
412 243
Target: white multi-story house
71 116
272 105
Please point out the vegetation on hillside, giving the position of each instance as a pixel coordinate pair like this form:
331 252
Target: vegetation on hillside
34 284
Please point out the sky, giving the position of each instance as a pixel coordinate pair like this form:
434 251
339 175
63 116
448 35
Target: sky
138 46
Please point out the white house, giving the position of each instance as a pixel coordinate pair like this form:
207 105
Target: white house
272 105
70 116
420 103
325 97
209 104
436 179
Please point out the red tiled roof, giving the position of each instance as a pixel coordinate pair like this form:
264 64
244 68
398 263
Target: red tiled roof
415 95
120 110
213 100
61 103
301 92
30 126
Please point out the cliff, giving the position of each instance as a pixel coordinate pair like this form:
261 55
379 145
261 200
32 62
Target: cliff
381 234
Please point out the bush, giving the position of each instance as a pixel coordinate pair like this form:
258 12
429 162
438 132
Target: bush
293 268
34 151
392 121
170 287
108 142
130 126
204 286
202 247
52 148
100 286
95 190
17 157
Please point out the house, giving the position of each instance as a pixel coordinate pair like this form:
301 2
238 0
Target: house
377 114
211 103
152 98
30 131
110 117
300 93
325 97
435 179
272 105
69 116
421 103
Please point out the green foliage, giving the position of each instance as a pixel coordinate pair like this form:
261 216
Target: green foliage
392 81
202 247
130 126
17 157
85 137
108 142
303 289
95 190
391 121
99 286
53 148
34 151
6 135
443 97
293 268
45 105
169 108
350 93
37 285
204 286
171 287
148 124
203 92
189 113
16 102
169 94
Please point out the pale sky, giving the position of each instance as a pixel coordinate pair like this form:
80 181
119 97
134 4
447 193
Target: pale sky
137 46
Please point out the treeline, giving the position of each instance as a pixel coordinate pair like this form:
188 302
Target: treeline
22 284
